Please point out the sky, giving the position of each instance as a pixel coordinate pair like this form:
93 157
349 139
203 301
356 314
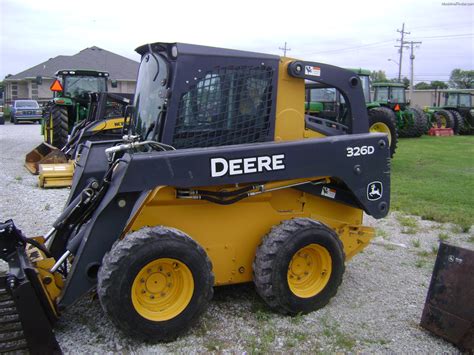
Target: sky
344 33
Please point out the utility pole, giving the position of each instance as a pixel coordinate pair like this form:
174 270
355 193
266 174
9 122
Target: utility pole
412 59
284 49
401 46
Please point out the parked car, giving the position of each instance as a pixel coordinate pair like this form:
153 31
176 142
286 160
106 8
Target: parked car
25 110
2 118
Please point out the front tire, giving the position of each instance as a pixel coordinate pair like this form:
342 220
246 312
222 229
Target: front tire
382 119
155 283
299 266
444 119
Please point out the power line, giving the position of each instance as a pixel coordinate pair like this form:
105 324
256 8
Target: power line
352 48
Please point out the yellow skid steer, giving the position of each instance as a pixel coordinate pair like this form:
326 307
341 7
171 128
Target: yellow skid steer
221 179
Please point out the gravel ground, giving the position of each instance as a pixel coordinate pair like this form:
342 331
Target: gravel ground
377 308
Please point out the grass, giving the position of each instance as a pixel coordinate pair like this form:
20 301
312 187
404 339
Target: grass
443 236
416 243
433 177
339 339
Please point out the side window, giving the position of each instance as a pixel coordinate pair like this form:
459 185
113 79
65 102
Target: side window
381 94
465 100
228 106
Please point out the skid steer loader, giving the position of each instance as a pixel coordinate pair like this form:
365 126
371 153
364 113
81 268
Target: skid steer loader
221 179
105 121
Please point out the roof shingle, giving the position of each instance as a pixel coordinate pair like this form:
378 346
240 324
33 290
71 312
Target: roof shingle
95 58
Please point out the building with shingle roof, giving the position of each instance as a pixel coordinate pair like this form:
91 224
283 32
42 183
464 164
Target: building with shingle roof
34 83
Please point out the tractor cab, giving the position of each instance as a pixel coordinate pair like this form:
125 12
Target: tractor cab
458 99
390 94
77 84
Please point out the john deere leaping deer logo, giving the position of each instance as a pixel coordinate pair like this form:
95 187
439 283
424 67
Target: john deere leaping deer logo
374 191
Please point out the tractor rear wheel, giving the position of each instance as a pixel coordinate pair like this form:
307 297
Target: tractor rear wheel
444 119
58 126
155 283
382 119
458 121
299 266
421 121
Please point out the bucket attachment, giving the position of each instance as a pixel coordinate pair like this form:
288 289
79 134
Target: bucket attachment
56 175
26 313
449 307
43 154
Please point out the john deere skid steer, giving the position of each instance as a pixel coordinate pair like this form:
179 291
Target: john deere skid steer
222 179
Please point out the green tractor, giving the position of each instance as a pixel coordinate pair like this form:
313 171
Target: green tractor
327 103
459 104
411 121
71 103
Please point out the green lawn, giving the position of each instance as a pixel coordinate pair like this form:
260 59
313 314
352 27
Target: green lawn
433 177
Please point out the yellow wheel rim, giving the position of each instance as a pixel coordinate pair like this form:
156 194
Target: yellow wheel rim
443 122
380 127
162 289
309 270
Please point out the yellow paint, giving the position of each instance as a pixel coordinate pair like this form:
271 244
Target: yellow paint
108 124
230 234
290 112
56 175
52 284
309 271
162 289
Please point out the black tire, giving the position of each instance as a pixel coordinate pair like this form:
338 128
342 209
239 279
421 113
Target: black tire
458 121
421 121
124 262
388 118
444 119
272 263
407 129
14 120
60 126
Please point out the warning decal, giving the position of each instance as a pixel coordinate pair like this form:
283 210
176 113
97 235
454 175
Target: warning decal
328 192
313 71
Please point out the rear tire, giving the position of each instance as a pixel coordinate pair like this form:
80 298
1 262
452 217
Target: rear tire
421 121
59 126
458 121
382 119
299 266
155 283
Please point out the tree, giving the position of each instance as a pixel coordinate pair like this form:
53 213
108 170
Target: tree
432 85
437 84
462 79
422 86
406 82
378 76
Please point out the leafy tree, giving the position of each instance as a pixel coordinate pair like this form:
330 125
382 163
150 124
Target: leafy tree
462 79
432 85
378 76
406 82
437 84
422 86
